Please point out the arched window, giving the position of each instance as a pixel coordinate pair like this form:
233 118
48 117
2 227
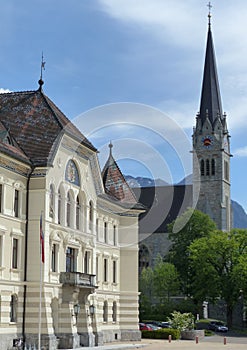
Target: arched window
202 167
105 312
207 167
144 257
59 206
114 312
71 173
68 210
90 215
213 167
105 232
51 201
226 170
97 229
13 308
16 203
78 213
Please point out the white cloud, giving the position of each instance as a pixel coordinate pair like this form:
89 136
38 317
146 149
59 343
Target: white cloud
241 152
3 91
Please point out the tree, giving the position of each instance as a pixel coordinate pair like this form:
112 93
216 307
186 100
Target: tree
146 292
166 280
219 267
193 224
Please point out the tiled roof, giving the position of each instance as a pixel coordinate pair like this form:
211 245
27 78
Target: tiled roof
115 183
36 124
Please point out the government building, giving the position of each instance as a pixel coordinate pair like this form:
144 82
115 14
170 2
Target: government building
68 233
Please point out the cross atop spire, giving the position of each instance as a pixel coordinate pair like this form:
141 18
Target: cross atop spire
209 13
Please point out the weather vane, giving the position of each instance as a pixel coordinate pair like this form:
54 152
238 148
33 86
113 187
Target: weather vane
42 66
41 82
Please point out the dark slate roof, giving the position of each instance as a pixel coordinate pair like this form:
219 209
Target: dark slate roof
114 182
210 96
164 204
36 124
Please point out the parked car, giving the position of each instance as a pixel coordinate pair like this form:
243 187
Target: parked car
217 326
153 326
144 327
166 325
160 324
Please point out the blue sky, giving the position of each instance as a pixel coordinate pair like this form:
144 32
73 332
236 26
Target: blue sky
130 71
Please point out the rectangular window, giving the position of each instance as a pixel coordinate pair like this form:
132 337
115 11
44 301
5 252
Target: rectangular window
54 258
15 254
97 268
86 262
105 232
105 270
114 271
16 204
70 260
114 235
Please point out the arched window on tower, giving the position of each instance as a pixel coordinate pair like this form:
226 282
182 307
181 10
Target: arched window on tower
144 257
213 167
202 165
226 170
207 167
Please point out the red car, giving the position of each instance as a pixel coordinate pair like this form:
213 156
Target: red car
144 327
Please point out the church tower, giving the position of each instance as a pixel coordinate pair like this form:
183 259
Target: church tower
211 147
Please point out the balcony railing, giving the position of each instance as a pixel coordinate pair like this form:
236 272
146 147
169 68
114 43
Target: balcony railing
78 279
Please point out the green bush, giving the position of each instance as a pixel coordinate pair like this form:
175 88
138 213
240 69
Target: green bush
183 321
162 334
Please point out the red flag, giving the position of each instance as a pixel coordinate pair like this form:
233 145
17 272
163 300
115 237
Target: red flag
42 250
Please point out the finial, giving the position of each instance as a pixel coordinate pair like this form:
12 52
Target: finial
209 13
41 82
110 146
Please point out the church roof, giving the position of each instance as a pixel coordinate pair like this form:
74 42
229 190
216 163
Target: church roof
115 183
36 124
210 106
164 204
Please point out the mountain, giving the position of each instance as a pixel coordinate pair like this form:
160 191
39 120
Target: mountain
144 181
239 214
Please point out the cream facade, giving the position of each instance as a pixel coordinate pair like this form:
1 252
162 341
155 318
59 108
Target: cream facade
89 279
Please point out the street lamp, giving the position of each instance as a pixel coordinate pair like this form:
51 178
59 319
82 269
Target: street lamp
92 310
76 310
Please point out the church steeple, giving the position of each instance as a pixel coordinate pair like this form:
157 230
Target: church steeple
210 106
211 147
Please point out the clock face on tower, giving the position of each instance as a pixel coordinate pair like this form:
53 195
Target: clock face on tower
207 141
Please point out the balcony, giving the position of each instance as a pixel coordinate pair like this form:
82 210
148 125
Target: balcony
78 279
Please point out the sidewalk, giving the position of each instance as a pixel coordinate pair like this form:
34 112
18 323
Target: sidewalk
208 343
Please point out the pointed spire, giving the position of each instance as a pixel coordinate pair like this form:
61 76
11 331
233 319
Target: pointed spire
114 181
210 95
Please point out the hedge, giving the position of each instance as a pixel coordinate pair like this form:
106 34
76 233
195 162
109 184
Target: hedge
162 334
